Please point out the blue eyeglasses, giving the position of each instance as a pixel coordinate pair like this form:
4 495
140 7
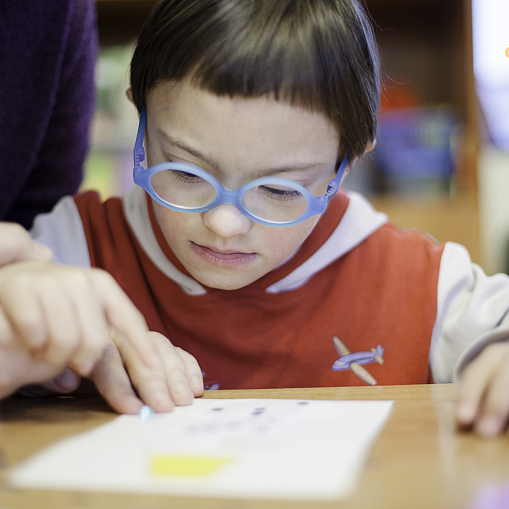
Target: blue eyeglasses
270 201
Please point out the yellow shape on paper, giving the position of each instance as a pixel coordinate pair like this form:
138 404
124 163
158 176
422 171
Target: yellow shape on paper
190 466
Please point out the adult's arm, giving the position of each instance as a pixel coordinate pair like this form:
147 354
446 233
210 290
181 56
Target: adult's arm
48 52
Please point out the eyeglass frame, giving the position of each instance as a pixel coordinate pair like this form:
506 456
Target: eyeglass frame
143 178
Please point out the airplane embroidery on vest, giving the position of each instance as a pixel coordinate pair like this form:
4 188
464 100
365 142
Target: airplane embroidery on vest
211 386
353 361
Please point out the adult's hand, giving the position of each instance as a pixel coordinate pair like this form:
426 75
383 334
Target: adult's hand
63 314
52 316
16 245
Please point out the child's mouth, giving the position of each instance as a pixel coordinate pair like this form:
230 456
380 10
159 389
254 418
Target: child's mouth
222 259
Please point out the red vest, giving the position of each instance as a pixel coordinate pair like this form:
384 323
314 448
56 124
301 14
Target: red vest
383 292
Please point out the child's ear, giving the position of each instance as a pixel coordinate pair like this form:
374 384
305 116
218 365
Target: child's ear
129 94
369 148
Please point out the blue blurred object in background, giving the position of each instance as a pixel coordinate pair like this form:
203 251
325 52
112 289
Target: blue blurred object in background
417 148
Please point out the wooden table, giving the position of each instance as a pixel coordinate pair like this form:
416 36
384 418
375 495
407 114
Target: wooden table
419 461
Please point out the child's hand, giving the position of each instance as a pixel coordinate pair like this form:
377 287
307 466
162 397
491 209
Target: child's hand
62 315
120 369
484 392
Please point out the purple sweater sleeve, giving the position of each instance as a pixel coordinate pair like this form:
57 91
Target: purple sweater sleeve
47 56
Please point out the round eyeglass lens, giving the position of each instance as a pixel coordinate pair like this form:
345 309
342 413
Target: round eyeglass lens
275 202
183 189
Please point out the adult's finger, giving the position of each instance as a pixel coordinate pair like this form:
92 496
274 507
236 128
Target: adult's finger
6 331
60 319
18 369
90 320
17 245
21 305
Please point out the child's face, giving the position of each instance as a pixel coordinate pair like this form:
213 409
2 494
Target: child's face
235 140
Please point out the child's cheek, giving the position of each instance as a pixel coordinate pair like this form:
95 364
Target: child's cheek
283 242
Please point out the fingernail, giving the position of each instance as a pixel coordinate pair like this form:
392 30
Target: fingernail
67 380
489 426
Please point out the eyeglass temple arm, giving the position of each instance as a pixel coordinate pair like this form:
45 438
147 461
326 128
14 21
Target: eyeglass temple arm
139 151
333 186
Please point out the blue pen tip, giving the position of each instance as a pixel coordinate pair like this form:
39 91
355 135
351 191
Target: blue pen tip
145 413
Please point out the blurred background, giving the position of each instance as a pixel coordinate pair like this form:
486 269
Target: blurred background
442 158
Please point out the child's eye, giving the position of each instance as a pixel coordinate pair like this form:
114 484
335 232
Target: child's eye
280 193
184 176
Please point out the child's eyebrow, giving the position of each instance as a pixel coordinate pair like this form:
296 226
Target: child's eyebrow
214 164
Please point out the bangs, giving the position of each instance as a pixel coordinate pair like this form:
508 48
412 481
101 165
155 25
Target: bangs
315 54
266 51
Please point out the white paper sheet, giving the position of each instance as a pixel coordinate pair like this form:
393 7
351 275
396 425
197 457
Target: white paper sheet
239 448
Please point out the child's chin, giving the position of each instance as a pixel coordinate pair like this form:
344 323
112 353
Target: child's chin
226 283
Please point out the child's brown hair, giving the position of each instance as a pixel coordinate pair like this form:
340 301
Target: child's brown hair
316 54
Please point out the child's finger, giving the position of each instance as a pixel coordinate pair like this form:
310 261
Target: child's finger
174 369
474 382
193 371
123 316
494 412
112 382
150 383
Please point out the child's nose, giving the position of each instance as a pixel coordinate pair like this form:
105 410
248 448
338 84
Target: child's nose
226 221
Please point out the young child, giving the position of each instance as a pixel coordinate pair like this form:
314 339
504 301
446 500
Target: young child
233 245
